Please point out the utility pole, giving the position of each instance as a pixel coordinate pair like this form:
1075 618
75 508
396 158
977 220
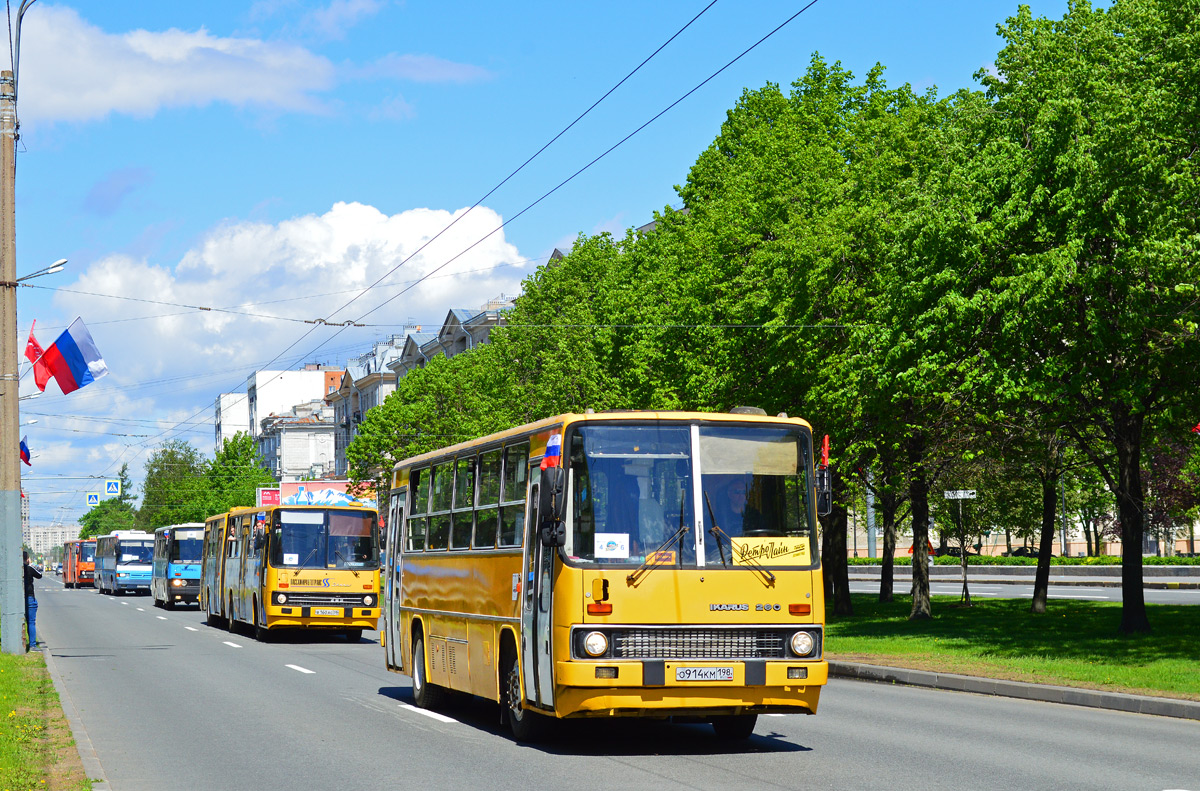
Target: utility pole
12 579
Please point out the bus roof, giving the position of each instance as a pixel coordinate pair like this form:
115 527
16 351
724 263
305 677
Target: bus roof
612 416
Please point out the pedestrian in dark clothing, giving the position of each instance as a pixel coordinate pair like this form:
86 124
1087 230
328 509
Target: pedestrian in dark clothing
30 601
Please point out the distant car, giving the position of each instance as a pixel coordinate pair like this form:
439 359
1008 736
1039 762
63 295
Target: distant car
58 568
954 552
1024 552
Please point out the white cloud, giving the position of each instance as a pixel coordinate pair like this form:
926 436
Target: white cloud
323 258
335 19
420 68
73 71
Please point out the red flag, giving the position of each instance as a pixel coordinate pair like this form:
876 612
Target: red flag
33 353
1196 430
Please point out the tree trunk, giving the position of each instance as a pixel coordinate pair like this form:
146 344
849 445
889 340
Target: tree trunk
1127 437
833 558
1041 581
918 494
1008 541
887 574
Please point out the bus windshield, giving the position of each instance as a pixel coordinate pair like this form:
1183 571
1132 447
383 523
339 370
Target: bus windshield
324 539
187 550
138 552
632 491
87 553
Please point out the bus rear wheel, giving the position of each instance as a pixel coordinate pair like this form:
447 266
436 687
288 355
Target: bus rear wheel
526 725
261 633
734 726
425 695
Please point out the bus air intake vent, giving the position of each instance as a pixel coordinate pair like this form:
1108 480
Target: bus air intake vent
699 644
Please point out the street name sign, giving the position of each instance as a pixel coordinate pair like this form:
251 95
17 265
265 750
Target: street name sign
960 494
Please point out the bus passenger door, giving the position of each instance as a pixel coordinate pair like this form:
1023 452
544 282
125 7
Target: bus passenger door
536 605
391 581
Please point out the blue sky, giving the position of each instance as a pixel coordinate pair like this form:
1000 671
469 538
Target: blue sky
276 157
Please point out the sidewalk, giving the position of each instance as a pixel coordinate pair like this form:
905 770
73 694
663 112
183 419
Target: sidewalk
1114 701
1155 577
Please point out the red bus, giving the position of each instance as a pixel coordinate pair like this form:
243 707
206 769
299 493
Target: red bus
79 563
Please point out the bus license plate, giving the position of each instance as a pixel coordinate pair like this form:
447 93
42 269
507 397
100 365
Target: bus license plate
704 674
326 611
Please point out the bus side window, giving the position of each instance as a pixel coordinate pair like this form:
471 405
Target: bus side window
512 511
440 485
417 521
464 503
487 513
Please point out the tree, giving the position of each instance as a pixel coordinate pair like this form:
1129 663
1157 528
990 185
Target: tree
235 474
115 513
175 490
1087 288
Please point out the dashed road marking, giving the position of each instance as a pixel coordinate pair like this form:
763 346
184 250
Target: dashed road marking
161 617
231 645
191 628
433 715
299 669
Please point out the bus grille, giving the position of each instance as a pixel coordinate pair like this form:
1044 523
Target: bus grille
324 600
698 644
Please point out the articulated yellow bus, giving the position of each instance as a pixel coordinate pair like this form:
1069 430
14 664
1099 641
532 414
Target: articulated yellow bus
292 566
646 564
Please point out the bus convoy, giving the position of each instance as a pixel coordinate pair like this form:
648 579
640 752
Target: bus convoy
617 564
175 570
79 562
292 566
646 564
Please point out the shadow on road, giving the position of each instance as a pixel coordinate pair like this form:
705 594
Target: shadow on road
618 736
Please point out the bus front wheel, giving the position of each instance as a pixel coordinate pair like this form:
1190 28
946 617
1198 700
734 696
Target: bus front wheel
735 726
526 725
426 695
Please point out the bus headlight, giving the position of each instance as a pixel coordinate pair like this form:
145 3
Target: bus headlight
802 643
595 644
368 600
281 598
178 583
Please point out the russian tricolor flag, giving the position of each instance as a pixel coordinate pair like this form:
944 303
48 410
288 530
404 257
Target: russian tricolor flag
553 451
73 360
25 451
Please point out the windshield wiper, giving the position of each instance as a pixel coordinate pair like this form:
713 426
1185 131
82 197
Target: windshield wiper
749 562
345 562
647 566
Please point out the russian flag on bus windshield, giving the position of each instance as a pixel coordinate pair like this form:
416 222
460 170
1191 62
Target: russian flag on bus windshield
553 452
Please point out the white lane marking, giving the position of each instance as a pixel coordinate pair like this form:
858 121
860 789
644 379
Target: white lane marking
161 617
433 715
191 628
299 669
231 645
125 603
139 609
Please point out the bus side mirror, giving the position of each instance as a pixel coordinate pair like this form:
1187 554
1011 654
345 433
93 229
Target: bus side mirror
551 507
824 492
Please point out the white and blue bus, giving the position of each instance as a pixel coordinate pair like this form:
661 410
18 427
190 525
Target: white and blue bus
175 578
123 559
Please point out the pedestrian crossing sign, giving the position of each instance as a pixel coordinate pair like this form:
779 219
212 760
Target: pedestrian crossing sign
112 488
93 498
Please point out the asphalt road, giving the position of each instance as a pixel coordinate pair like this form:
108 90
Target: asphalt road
167 702
1024 590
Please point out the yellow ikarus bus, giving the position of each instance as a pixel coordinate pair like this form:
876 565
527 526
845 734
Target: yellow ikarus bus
292 566
645 564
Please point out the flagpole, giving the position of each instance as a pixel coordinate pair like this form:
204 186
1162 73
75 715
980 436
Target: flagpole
12 581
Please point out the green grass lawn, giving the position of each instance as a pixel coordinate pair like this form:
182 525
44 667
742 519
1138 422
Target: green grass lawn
36 749
1074 643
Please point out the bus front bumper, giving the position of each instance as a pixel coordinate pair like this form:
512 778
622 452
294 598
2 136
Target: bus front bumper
651 688
328 617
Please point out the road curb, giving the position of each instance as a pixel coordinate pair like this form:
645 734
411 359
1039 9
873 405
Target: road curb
1072 696
83 743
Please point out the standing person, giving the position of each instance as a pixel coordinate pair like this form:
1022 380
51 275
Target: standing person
30 600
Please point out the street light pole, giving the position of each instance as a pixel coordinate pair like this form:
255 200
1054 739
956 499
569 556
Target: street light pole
12 589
